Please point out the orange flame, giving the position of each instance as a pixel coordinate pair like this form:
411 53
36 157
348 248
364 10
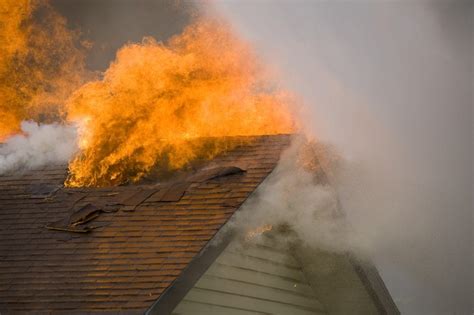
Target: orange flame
250 235
158 104
40 64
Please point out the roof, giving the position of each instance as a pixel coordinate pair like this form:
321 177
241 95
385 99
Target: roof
118 248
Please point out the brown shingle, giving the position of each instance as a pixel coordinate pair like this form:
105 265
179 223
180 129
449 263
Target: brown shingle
128 263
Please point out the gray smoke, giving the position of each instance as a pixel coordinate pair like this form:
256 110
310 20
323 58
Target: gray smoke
37 146
291 196
390 85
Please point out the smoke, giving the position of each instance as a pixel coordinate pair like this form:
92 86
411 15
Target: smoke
390 85
293 197
37 146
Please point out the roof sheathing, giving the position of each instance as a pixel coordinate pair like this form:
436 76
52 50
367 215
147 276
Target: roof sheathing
129 262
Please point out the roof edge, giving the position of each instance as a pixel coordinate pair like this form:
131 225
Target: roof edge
366 271
375 286
178 289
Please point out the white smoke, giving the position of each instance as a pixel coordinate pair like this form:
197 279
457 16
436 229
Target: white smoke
293 197
38 145
389 83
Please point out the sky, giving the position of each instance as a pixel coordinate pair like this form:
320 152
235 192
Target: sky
109 24
389 84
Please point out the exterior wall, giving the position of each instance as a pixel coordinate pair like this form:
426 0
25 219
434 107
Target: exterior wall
257 278
344 285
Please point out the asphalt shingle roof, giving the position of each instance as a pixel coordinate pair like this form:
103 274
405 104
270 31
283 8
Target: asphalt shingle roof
139 246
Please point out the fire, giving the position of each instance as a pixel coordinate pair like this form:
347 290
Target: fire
161 105
40 63
250 235
158 106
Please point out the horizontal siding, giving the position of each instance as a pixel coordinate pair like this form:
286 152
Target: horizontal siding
252 279
257 291
264 279
199 308
264 252
260 265
251 303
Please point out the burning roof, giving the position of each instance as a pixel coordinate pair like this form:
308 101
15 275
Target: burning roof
133 241
159 104
173 137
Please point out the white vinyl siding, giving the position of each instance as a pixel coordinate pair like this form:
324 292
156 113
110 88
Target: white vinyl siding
258 278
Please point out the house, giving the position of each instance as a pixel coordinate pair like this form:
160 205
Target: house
152 248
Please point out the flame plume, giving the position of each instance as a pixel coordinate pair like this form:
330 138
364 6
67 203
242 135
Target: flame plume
158 104
40 63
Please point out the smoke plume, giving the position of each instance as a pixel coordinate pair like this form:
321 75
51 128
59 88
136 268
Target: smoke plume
37 146
390 85
387 83
294 197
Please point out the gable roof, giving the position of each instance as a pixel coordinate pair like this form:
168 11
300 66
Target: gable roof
140 243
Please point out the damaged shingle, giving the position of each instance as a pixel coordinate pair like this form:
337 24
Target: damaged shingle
77 221
128 199
175 191
113 268
170 193
216 172
137 197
